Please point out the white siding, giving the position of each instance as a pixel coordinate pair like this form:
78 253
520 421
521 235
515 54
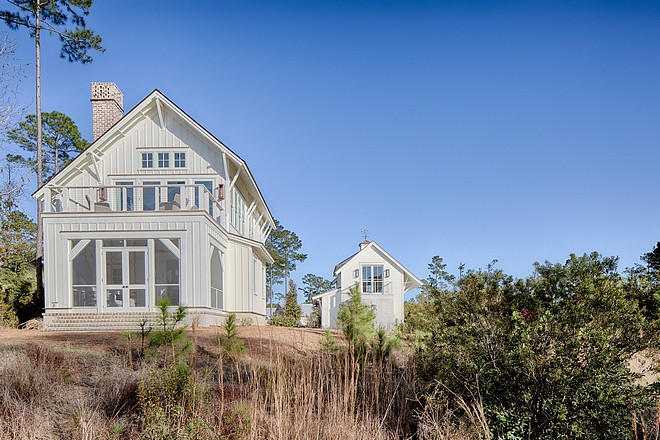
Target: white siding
389 304
118 158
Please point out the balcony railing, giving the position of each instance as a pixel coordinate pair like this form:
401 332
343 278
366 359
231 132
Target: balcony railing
133 198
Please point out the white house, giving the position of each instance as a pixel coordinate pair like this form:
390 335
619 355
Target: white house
155 207
382 280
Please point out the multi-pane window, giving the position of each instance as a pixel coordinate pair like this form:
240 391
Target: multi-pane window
163 160
179 160
237 211
372 279
147 160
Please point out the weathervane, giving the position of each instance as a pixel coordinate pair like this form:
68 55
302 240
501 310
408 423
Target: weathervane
365 232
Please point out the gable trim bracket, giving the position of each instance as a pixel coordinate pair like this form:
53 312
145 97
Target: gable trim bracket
161 120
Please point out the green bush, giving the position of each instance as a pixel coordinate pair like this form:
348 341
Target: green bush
170 405
169 336
357 321
548 356
283 321
290 317
229 343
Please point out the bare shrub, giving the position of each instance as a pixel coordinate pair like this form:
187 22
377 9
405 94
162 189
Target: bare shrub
32 324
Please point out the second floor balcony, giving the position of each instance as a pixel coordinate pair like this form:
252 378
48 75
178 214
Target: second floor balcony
133 198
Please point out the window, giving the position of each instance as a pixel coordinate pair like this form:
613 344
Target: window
174 190
147 160
254 276
372 279
200 194
150 196
163 160
179 160
237 211
263 277
124 197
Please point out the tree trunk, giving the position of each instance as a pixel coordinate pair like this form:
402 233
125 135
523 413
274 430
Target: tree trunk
39 298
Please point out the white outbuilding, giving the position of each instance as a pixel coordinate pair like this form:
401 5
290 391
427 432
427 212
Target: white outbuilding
382 281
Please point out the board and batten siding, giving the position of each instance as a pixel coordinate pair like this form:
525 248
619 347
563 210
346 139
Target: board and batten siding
240 288
191 228
124 159
157 125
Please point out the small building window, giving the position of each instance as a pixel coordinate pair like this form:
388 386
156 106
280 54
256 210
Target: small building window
179 160
147 160
372 279
163 160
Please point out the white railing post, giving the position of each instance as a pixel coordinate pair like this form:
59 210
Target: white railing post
206 197
48 199
65 199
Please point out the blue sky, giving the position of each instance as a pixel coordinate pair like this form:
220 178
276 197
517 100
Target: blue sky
517 131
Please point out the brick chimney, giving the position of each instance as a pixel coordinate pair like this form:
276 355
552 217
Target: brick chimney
107 107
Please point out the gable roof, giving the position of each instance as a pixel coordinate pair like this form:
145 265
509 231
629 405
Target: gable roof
158 101
379 249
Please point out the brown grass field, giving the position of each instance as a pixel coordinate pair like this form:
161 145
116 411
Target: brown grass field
65 385
262 341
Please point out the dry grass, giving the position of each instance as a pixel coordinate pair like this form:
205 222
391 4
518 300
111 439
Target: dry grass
85 386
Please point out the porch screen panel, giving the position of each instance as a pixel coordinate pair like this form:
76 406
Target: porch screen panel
137 277
166 266
83 276
217 300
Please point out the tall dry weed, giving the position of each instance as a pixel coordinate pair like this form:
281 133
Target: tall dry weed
53 394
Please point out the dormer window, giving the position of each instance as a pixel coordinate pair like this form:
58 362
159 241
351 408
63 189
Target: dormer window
147 160
163 160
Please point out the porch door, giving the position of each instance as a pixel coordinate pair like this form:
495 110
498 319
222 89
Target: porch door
125 278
